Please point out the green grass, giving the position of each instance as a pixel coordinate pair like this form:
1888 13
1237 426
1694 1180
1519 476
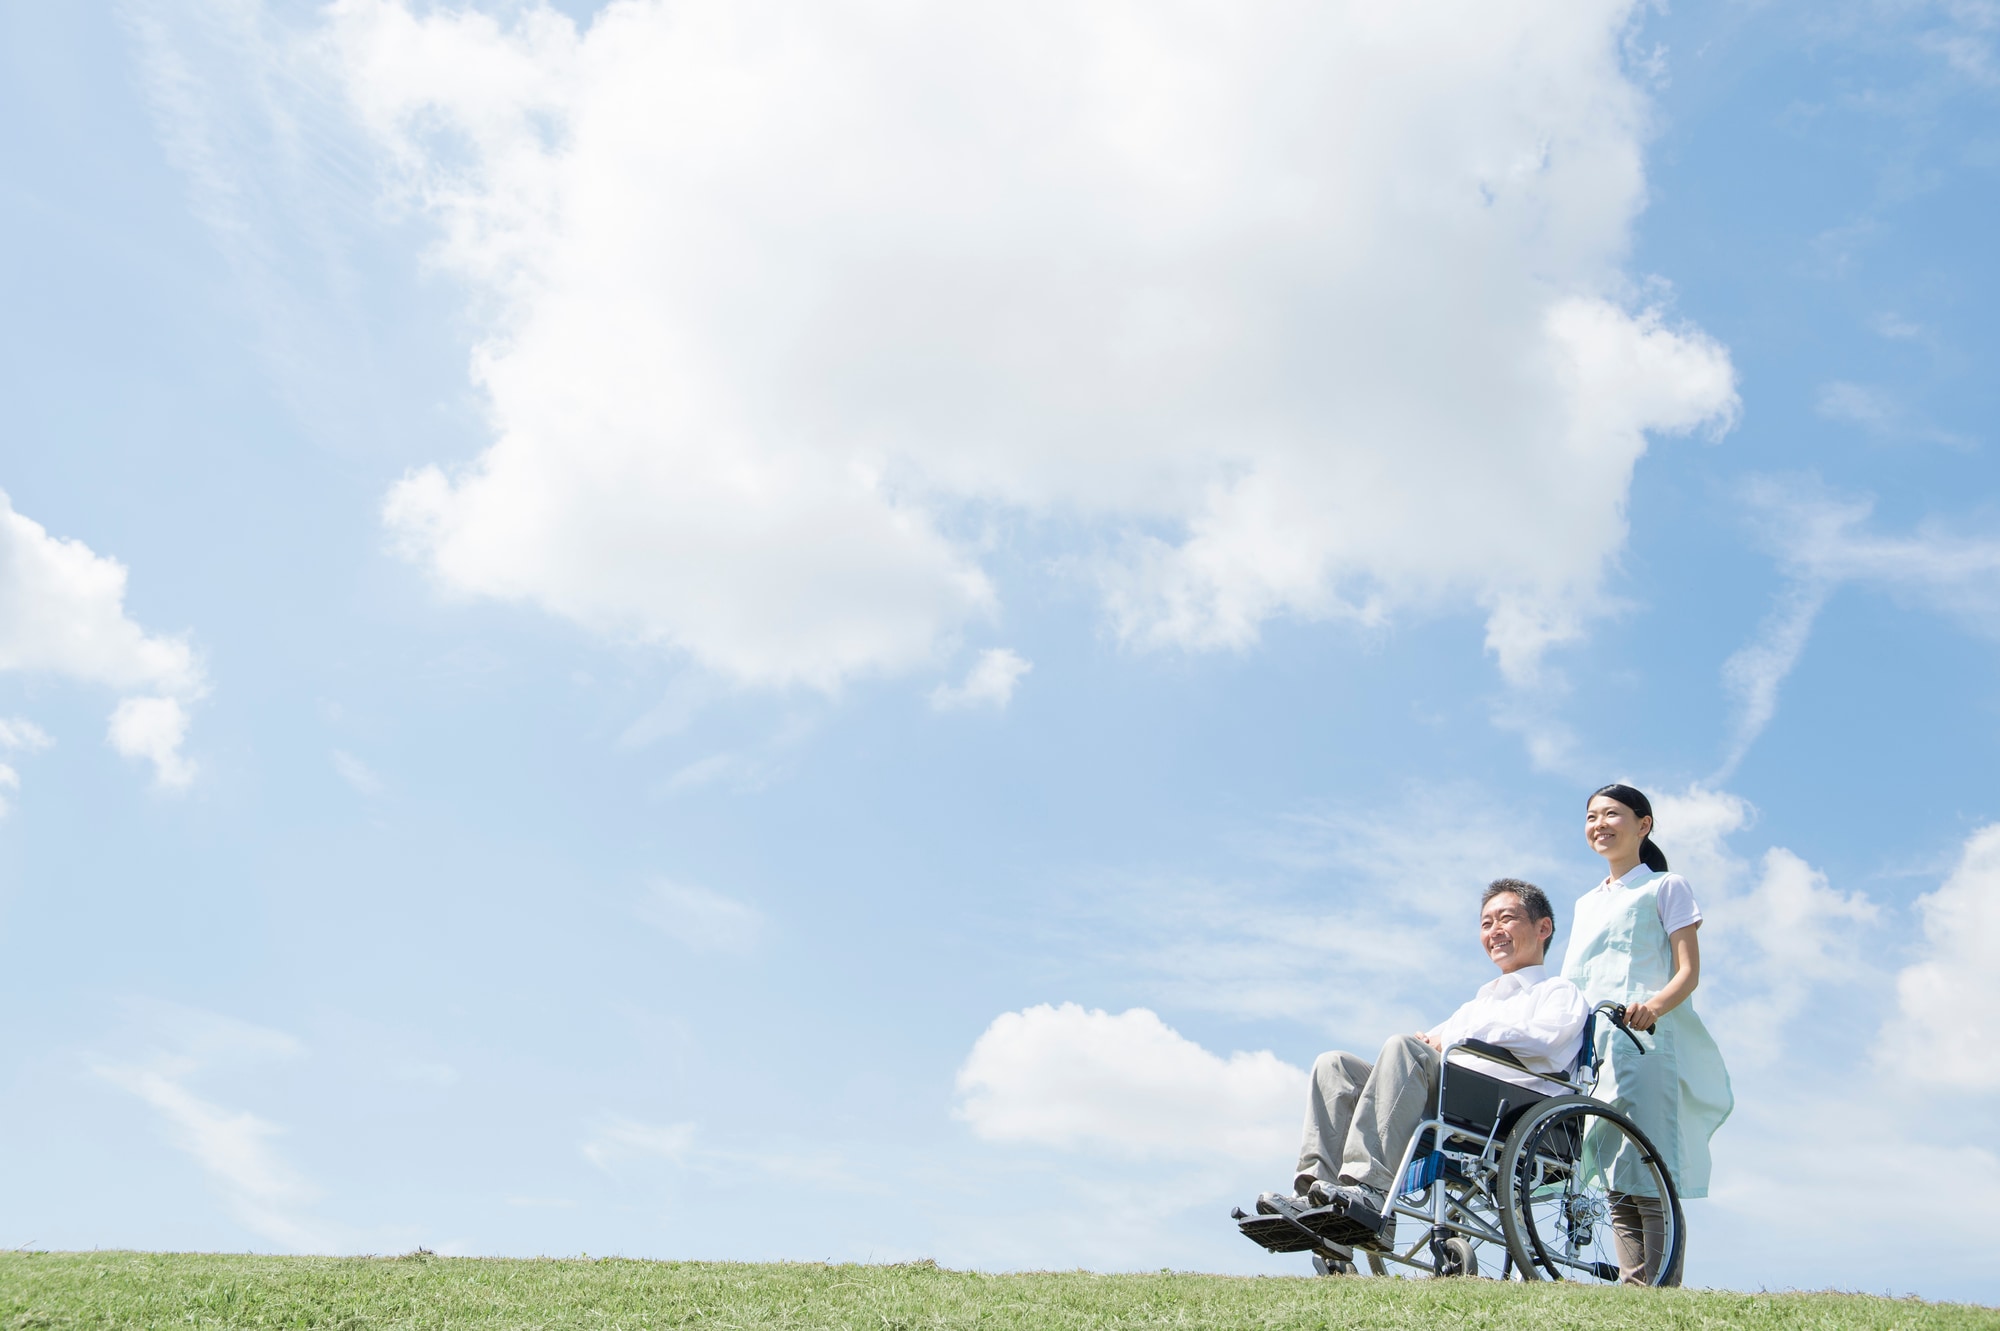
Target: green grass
124 1289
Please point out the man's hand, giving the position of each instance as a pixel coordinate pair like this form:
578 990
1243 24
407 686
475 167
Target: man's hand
1430 1040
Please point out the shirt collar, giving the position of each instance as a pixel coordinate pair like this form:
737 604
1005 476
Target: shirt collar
1525 978
1639 873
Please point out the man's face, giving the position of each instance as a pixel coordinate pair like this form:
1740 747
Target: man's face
1509 936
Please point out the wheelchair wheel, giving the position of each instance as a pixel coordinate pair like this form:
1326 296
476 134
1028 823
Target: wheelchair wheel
1458 1258
1575 1173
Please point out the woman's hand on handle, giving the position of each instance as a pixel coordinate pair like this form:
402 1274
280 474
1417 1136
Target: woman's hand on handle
1641 1016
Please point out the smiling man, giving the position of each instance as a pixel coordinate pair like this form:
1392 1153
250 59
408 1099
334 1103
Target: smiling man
1360 1117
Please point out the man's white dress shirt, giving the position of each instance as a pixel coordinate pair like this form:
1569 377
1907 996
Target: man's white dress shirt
1533 1015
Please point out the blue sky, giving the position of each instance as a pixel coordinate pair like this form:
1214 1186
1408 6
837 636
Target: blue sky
891 619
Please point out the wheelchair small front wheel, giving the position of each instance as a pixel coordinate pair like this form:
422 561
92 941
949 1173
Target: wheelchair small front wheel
1582 1189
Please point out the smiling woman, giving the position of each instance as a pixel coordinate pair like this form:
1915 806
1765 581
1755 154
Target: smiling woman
1634 943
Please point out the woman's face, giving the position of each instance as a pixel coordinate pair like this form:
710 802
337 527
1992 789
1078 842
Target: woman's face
1613 830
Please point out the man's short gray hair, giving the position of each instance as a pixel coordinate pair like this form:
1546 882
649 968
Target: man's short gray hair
1536 900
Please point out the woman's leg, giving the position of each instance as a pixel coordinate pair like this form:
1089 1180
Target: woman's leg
1640 1226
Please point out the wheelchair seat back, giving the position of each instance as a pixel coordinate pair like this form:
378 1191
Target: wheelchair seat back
1473 1101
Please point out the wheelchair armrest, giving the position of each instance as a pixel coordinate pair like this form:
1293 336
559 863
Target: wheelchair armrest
1493 1052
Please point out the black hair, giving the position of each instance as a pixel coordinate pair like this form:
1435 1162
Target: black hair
1536 900
1650 855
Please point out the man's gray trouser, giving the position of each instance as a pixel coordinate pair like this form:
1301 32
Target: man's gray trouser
1359 1118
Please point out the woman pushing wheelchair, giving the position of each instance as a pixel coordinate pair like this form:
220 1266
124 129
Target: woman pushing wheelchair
1537 1120
1633 941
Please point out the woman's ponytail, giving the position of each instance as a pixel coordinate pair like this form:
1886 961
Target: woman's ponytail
1652 856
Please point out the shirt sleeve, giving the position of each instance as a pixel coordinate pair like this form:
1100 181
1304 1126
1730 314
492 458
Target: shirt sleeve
1676 903
1458 1026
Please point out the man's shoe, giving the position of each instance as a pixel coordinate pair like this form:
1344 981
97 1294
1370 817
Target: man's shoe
1355 1217
1277 1229
1363 1204
1373 1199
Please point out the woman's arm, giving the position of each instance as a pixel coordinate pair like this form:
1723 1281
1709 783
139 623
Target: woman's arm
1687 974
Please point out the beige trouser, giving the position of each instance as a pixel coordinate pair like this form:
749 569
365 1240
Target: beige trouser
1640 1226
1359 1117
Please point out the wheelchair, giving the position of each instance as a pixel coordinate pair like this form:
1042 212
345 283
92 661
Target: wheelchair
1523 1182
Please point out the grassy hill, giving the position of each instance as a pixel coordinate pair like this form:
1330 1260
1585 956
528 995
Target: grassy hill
123 1289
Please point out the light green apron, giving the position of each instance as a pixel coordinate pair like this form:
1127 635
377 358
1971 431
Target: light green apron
1678 1091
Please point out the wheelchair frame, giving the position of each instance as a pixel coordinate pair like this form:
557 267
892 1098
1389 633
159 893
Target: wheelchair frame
1462 1156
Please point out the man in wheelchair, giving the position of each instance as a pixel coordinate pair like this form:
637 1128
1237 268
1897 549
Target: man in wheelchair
1360 1116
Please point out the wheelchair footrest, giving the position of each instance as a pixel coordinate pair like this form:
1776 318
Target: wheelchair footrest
1277 1233
1321 1227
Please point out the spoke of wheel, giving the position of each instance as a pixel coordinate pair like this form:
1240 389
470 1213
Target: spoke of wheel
1565 1170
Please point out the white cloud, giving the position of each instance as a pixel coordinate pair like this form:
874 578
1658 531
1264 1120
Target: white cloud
62 612
153 729
738 771
1764 1165
989 683
1359 922
1695 826
1127 1084
357 774
17 736
1963 36
618 1138
1946 1031
701 918
1754 672
1776 936
1895 327
777 299
1531 713
1824 543
1902 1062
426 1072
1826 538
1857 404
235 1148
1876 411
1790 934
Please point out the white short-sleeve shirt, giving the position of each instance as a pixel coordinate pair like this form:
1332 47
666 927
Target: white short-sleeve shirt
1673 897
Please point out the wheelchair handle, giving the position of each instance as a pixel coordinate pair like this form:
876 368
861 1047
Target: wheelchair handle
1616 1011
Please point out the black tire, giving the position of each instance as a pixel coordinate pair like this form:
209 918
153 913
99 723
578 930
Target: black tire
1556 1204
1460 1258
